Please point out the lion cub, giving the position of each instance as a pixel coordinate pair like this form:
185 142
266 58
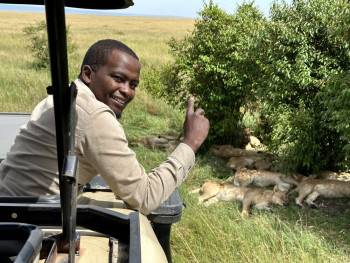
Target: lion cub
212 192
262 199
245 177
328 188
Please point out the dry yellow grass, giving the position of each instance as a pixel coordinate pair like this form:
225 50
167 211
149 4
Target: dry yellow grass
21 87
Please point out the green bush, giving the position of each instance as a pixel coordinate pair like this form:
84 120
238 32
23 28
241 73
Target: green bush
297 141
269 74
37 35
214 65
303 45
335 99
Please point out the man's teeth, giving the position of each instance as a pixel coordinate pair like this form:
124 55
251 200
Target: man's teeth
118 100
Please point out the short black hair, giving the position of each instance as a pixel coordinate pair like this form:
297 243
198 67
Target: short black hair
97 54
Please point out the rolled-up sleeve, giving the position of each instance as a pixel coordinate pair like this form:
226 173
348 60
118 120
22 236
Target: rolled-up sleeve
106 148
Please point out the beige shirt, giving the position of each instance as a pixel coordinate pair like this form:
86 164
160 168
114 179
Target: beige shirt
30 168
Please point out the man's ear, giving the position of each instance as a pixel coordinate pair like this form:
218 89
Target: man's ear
86 74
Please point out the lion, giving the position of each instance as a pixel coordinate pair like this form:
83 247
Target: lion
312 188
228 151
212 192
261 199
237 163
245 177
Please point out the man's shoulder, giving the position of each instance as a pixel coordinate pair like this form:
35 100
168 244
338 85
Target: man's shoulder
91 111
89 105
86 102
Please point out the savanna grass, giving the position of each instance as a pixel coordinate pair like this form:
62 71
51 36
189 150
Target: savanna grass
288 234
213 234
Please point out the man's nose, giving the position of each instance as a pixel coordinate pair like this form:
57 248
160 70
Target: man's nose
126 89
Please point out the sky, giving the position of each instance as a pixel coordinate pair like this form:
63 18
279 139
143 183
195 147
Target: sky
177 8
188 8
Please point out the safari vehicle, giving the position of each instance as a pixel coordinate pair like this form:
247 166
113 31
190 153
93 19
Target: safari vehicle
94 227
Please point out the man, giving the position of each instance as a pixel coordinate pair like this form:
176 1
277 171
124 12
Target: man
107 83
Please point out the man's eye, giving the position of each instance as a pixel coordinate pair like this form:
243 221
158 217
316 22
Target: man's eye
133 85
117 78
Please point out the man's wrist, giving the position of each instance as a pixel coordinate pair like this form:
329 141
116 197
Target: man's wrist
192 145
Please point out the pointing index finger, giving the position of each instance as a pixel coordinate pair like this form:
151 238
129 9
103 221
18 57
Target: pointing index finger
190 105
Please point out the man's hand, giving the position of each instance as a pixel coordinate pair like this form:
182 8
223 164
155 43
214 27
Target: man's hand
196 126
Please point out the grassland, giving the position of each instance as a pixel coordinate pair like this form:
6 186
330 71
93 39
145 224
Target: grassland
214 234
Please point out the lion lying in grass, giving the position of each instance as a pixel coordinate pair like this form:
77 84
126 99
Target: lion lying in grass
311 189
245 177
212 192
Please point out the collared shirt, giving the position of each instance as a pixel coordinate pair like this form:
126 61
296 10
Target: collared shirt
30 168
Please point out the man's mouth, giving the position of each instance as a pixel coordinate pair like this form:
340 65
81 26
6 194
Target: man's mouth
121 102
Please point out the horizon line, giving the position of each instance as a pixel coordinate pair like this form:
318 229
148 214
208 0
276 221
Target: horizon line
71 10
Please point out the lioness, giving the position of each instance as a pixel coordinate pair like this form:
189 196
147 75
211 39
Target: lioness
313 188
245 177
212 192
228 151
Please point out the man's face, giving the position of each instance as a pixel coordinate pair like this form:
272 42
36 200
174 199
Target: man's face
115 82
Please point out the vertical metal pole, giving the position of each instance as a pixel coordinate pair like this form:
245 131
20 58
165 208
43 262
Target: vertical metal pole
56 25
62 97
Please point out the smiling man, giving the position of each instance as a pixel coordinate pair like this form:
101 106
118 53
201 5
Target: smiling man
111 74
107 83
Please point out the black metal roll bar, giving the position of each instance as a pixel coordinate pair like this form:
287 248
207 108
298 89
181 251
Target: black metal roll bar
89 4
